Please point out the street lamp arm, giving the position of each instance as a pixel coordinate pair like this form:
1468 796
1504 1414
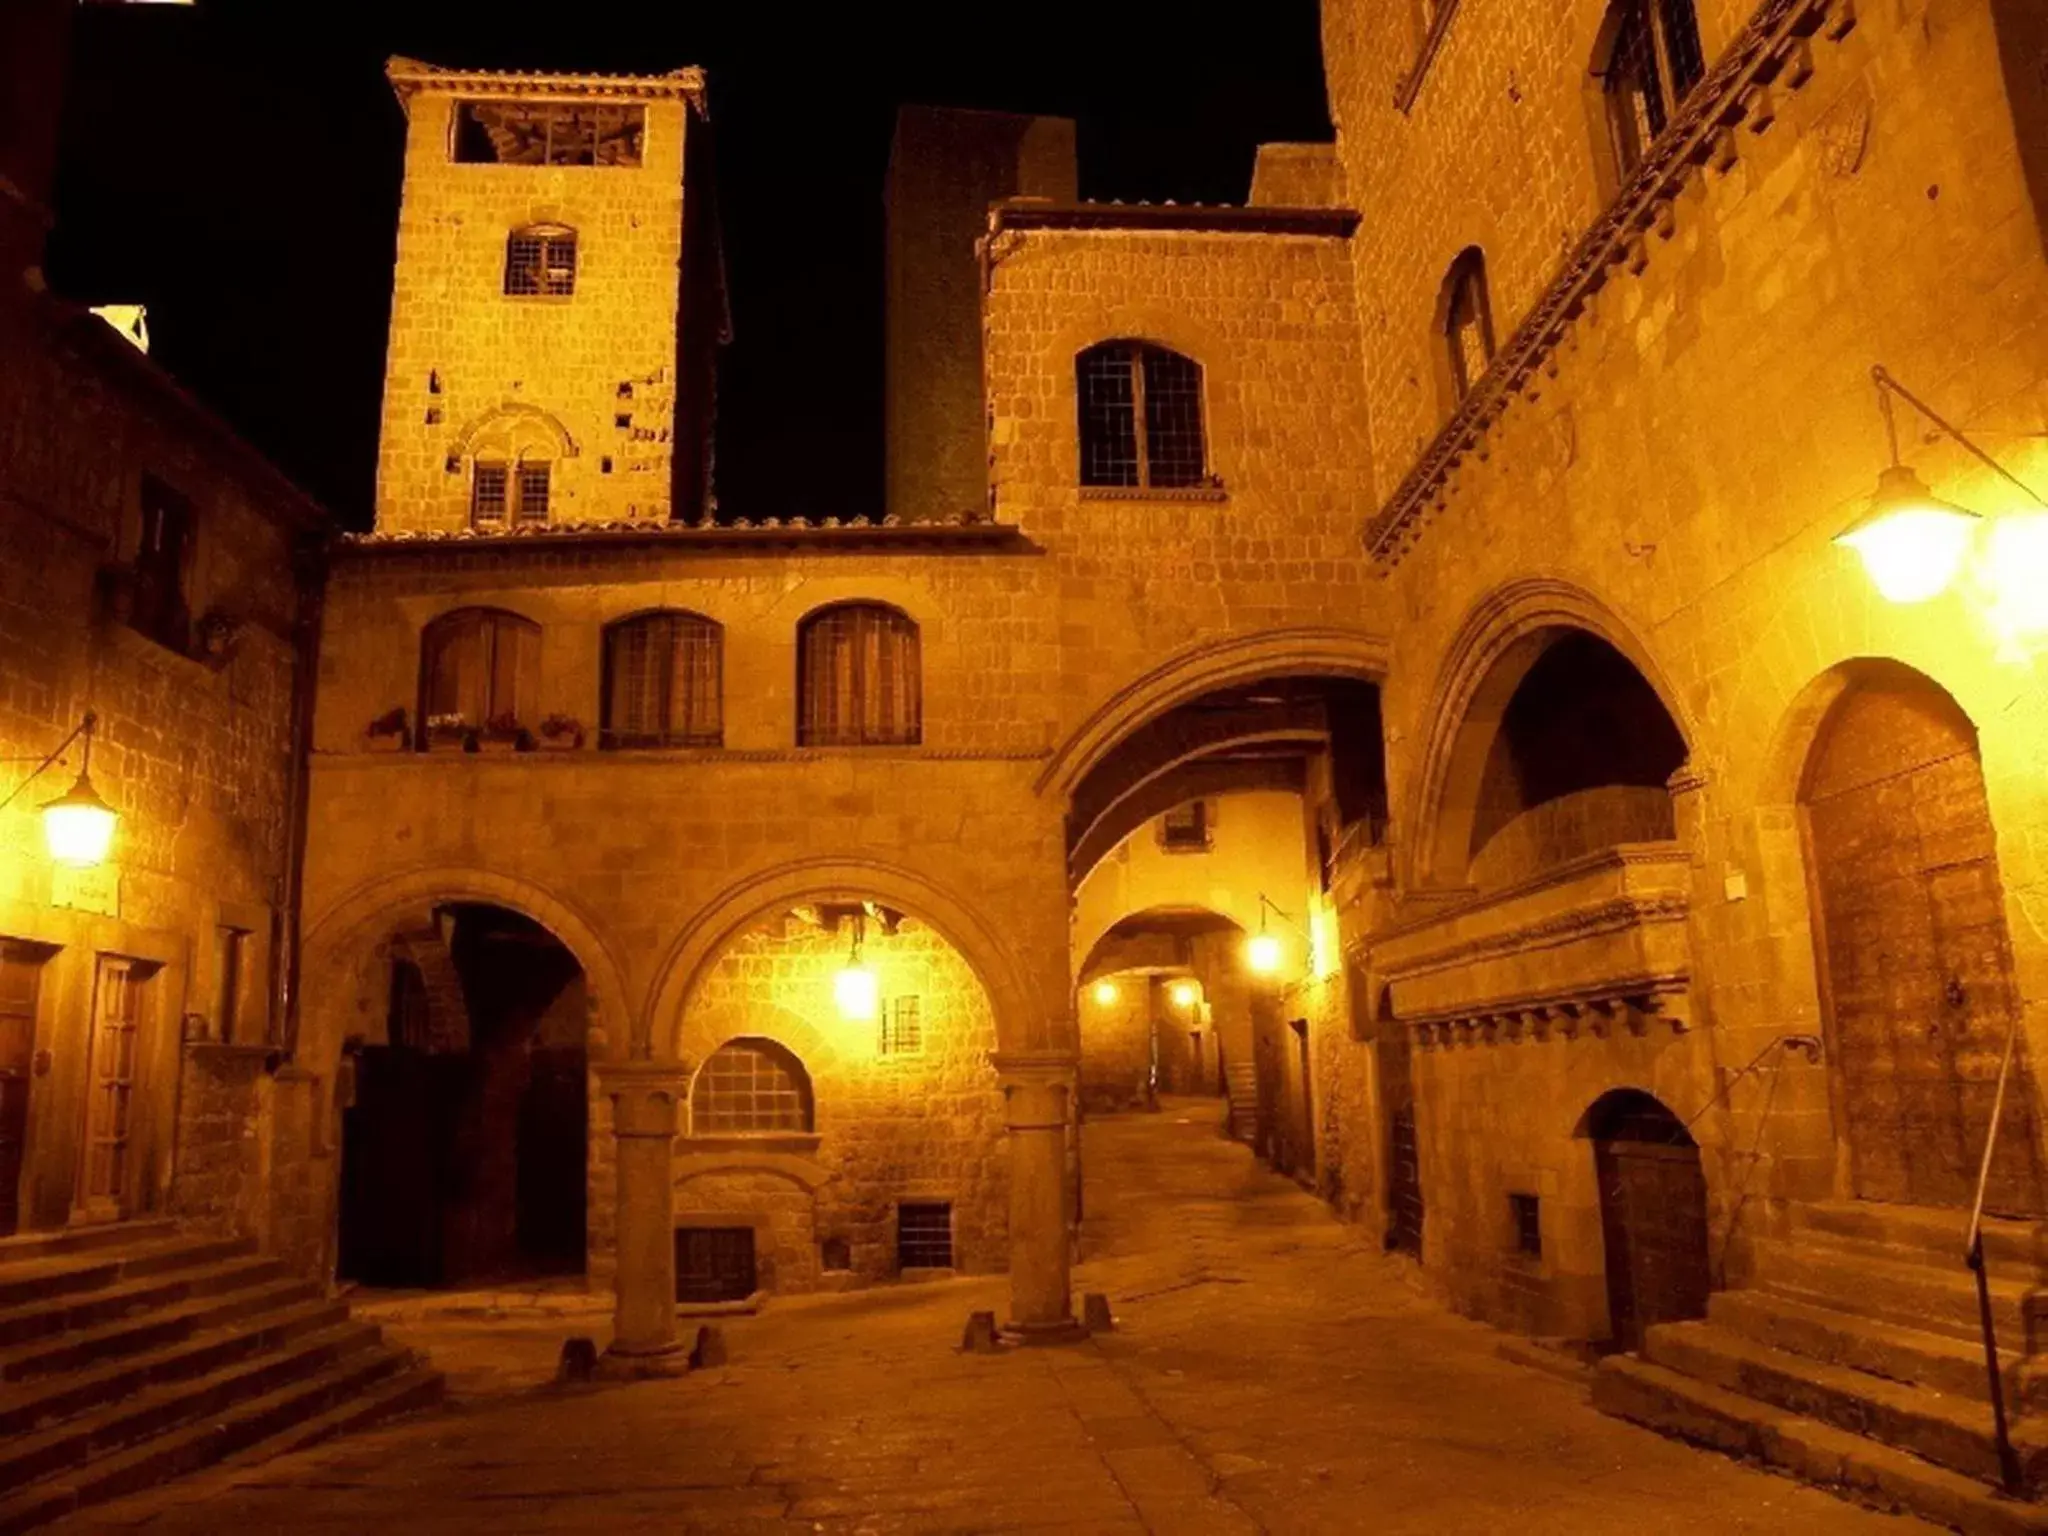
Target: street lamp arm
83 728
1888 386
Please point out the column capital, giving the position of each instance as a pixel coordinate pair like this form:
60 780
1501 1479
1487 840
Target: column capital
645 1095
1037 1087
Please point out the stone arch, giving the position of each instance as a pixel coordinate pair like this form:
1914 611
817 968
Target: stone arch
353 919
1493 651
511 426
1024 1021
1309 651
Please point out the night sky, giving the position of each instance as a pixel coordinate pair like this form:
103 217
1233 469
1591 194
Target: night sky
236 167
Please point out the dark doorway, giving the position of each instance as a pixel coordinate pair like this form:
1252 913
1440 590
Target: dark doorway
21 973
463 1154
1653 1214
714 1264
1305 1154
1915 951
1196 1076
1392 1054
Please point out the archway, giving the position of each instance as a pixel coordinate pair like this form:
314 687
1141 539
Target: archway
1915 958
1653 1213
464 1137
1164 1008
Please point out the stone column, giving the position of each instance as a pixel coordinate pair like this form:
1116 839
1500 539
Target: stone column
1038 1095
645 1096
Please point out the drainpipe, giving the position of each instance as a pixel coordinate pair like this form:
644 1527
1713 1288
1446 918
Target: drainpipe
309 570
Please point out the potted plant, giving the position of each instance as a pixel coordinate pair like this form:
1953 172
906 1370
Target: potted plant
450 733
561 733
389 732
503 733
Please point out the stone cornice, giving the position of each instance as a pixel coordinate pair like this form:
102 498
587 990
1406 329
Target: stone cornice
1772 52
411 77
1614 916
768 534
1177 218
1467 899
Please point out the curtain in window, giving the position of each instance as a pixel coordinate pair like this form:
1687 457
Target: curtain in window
662 682
479 666
858 678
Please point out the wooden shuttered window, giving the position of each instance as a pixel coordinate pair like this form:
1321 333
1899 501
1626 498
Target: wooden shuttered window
858 678
663 683
478 666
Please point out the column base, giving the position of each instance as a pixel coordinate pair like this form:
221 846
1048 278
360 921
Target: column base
617 1365
1064 1330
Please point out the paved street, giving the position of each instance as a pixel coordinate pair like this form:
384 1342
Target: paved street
1271 1372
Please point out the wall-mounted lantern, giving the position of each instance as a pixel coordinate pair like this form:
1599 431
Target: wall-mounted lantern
78 826
1105 993
855 989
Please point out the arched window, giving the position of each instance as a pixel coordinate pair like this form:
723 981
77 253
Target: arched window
479 671
751 1087
1649 61
857 678
540 262
662 682
1141 416
516 492
1467 323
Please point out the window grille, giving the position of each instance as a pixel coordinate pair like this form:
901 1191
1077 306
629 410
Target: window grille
1140 417
750 1087
488 494
1185 828
533 492
663 684
1468 323
715 1264
1527 1213
548 133
903 1026
477 666
924 1234
541 263
161 608
858 678
1654 59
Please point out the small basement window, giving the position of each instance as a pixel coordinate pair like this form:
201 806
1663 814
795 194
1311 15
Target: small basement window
548 133
1527 1213
714 1264
1185 828
924 1234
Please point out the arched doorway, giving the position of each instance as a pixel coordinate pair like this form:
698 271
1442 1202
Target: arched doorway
1653 1214
1915 958
465 1138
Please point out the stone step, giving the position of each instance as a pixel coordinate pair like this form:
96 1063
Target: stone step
29 1246
49 1400
1939 1300
1864 1470
374 1383
89 1309
95 1269
160 1409
1892 1351
419 1386
1949 1431
78 1349
1926 1233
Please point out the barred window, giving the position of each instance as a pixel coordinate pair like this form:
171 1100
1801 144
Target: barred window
533 491
1467 323
1650 61
541 261
663 682
488 496
903 1026
750 1087
163 559
547 133
858 680
479 669
1140 416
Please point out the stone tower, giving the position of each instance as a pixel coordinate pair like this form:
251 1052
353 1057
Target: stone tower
555 309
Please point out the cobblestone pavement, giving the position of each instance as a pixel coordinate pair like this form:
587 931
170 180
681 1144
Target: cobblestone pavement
1271 1372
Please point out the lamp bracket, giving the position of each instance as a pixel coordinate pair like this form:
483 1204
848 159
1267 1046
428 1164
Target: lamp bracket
83 728
1887 386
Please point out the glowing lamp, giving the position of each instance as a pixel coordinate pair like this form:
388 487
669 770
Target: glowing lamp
857 992
1184 994
78 826
1262 953
1911 542
1105 993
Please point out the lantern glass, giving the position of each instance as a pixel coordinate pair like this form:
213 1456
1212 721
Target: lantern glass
1262 953
1911 542
78 826
1185 994
857 992
1105 993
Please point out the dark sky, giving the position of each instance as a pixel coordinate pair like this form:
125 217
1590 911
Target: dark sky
237 168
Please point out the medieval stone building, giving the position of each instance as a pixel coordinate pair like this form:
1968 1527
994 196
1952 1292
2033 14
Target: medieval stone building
1380 653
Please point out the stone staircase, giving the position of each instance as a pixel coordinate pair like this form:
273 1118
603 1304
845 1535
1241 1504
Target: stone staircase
1857 1361
134 1353
1242 1080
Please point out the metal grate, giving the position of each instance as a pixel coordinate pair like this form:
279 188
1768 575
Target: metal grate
924 1235
903 1026
715 1264
533 492
1527 1214
663 682
1685 61
750 1086
547 133
540 263
1140 416
858 678
1654 60
488 493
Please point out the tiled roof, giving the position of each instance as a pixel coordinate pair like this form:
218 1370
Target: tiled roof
410 75
743 531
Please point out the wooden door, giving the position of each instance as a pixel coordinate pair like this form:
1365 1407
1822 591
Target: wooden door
1653 1220
121 996
1305 1157
1404 1154
21 970
1917 960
